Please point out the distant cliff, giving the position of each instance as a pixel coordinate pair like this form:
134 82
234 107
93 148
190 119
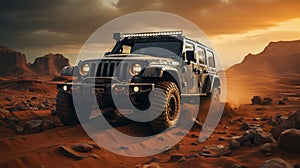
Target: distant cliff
279 58
13 63
49 65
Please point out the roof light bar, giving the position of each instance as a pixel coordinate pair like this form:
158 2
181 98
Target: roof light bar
119 36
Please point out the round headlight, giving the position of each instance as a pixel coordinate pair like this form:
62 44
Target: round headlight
135 69
85 69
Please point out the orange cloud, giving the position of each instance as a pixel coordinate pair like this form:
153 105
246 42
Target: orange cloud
222 16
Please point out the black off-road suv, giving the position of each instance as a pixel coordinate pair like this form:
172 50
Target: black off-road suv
166 65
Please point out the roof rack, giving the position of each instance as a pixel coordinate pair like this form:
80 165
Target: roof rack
118 36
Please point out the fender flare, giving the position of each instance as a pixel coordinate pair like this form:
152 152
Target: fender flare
69 70
215 83
163 72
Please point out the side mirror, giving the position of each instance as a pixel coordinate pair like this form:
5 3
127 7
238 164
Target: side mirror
117 36
190 55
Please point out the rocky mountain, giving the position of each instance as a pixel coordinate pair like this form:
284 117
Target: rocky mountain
13 63
276 59
49 65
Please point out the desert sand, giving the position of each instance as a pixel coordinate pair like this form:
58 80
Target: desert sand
42 148
31 134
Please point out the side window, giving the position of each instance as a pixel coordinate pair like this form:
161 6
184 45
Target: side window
210 59
189 46
201 55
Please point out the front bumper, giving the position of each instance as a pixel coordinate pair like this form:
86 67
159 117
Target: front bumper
104 93
106 88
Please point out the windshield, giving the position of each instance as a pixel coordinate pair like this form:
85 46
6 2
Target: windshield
161 49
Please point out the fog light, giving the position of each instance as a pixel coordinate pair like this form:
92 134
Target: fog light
136 89
65 87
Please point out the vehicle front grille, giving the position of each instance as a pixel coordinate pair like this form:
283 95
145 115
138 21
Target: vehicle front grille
113 69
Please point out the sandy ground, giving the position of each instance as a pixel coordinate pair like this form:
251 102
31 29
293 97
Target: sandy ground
43 149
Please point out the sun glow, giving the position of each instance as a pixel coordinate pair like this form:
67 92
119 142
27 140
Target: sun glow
233 47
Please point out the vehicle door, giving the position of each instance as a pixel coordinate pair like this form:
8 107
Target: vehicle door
202 69
211 69
191 62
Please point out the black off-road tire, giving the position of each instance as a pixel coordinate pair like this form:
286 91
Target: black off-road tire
65 109
166 98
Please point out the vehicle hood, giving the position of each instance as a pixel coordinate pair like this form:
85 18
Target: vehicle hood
136 57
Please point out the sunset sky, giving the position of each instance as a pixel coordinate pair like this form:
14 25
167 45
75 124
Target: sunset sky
234 27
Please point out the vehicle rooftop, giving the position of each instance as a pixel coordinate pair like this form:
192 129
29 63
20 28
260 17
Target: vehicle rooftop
175 33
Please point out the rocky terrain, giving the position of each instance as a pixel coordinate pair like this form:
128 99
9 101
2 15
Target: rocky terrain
259 127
